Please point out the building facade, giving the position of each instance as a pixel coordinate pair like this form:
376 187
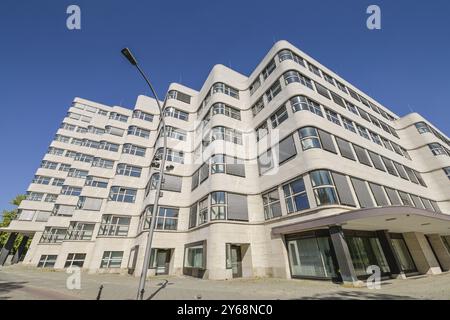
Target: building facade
290 172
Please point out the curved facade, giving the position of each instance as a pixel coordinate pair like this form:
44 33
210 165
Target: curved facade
258 163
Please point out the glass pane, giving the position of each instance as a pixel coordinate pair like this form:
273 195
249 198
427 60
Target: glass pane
400 248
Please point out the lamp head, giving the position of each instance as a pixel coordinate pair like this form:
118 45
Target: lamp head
127 53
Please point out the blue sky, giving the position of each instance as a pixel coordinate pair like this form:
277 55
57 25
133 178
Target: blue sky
43 65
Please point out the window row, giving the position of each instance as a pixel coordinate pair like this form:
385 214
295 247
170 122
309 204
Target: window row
422 128
110 259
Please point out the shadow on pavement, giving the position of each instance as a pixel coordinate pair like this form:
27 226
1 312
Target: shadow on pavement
6 287
162 286
344 295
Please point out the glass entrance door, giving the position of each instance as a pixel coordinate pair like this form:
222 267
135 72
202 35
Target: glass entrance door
162 261
404 257
236 261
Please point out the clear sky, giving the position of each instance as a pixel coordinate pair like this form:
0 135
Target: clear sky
43 65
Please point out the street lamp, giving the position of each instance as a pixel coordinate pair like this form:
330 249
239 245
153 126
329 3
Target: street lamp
140 294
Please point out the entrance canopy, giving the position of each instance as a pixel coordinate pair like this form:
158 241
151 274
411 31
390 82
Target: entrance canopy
399 219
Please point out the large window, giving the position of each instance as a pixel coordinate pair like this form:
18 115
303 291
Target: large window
71 191
103 163
273 91
53 235
176 113
96 182
289 55
332 116
203 211
128 170
223 88
295 195
47 261
75 259
171 155
195 256
309 138
295 76
218 205
111 259
139 132
272 206
114 226
174 133
221 108
269 69
299 103
121 194
80 231
437 149
257 106
138 114
132 149
422 127
167 218
118 117
227 134
279 116
323 187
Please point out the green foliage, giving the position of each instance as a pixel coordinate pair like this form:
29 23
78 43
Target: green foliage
7 217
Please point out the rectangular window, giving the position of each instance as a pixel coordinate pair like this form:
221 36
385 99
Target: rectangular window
269 69
345 148
348 124
71 191
389 166
176 113
103 163
328 78
116 226
41 180
118 117
378 194
195 256
376 160
295 76
405 199
361 154
53 235
225 89
128 170
133 150
322 90
337 99
138 114
96 182
47 261
88 203
218 205
362 132
314 69
75 259
393 196
327 141
34 196
121 194
295 195
77 173
62 210
343 189
323 188
139 132
273 91
111 259
257 106
362 193
299 103
332 116
272 206
279 116
254 86
49 165
108 146
80 231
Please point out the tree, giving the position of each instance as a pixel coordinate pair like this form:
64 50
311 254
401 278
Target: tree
7 217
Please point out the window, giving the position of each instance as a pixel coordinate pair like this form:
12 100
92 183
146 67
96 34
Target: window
378 194
323 188
138 114
221 108
83 157
176 113
341 87
328 78
262 130
82 129
362 132
75 259
57 182
96 182
352 108
412 177
309 138
180 96
345 148
257 106
193 216
273 91
90 144
286 149
389 166
387 144
128 170
41 180
132 149
314 69
299 103
114 226
279 116
362 193
174 133
393 196
376 160
121 194
218 205
139 132
71 191
171 182
289 55
401 170
375 121
77 173
348 124
62 138
227 134
62 210
269 69
50 197
71 154
95 130
167 218
447 171
265 162
53 235
55 151
295 196
114 131
67 126
194 256
361 154
118 117
103 163
203 211
80 231
353 94
337 99
223 88
47 261
295 76
88 203
34 196
271 202
437 149
255 85
343 189
171 155
322 90
405 199
375 138
64 167
332 116
108 146
111 259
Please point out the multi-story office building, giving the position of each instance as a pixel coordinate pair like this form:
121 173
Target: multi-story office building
289 172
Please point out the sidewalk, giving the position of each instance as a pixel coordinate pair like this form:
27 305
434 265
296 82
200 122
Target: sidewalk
19 282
